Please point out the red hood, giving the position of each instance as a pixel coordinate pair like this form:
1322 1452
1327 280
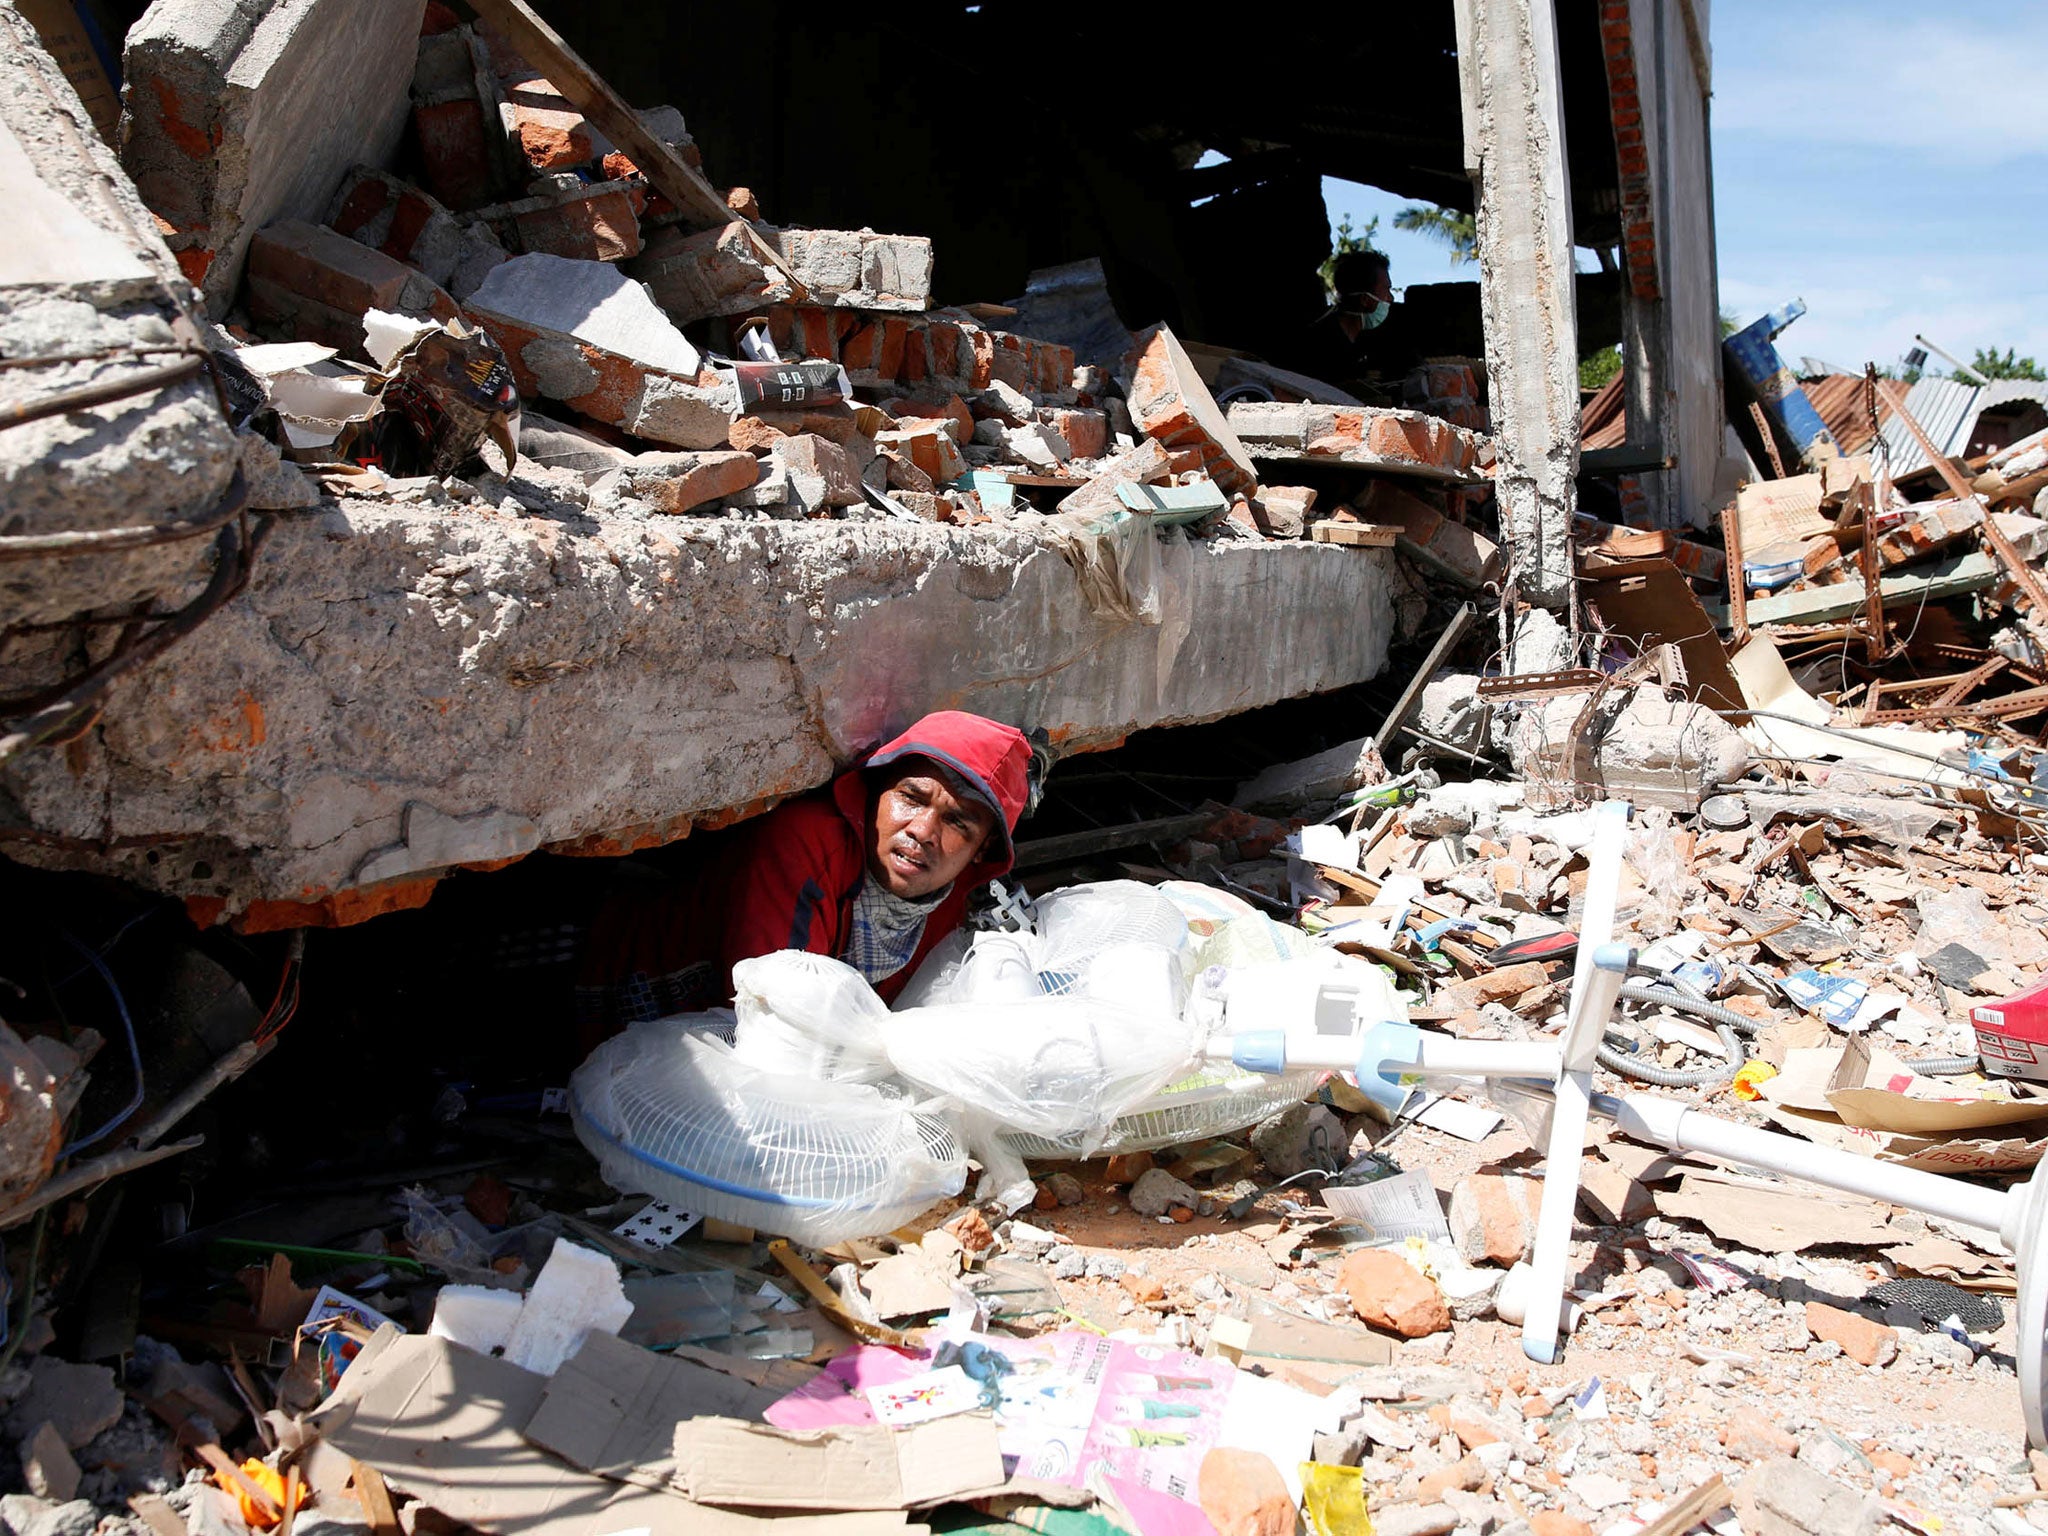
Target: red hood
992 760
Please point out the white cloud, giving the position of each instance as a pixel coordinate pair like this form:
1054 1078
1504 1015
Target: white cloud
1866 307
1944 86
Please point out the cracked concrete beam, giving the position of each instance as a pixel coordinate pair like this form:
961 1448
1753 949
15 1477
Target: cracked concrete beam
401 690
1515 151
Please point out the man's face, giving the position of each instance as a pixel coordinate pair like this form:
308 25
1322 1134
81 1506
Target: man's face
923 835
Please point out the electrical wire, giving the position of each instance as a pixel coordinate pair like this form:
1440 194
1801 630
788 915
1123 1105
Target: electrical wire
134 1046
285 1005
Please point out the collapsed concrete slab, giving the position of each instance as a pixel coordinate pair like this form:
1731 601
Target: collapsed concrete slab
721 271
402 690
85 277
238 114
1389 441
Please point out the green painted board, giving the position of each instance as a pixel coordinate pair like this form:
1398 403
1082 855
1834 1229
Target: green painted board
1822 605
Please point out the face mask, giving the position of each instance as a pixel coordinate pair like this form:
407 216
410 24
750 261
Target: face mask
1371 318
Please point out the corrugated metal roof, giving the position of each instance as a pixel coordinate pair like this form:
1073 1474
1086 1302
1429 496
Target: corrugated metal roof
1838 398
1603 423
2005 391
1946 410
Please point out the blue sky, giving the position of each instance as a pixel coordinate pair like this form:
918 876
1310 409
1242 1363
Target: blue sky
1885 162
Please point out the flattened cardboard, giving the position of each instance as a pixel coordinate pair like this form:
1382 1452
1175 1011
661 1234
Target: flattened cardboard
847 1466
906 1285
612 1408
1876 1091
1944 1154
1773 1218
442 1423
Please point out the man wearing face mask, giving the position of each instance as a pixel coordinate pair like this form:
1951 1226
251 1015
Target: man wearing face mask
1336 349
874 869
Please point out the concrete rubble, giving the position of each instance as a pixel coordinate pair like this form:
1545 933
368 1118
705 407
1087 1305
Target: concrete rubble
417 509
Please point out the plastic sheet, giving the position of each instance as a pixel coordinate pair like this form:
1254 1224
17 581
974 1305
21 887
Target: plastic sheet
808 1015
673 1112
1052 1066
1077 924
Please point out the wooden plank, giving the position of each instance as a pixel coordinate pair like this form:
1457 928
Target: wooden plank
1363 535
1738 584
828 1299
1681 1515
374 1494
1038 852
157 1514
2015 564
589 93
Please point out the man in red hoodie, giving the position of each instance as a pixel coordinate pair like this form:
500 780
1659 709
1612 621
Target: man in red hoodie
873 869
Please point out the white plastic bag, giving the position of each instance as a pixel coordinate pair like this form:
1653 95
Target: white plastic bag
1054 1066
808 1015
677 1114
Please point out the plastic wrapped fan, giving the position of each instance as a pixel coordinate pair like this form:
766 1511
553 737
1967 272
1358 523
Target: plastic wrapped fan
938 979
671 1111
1212 1102
1052 1066
968 967
1252 939
810 1016
1077 924
1267 993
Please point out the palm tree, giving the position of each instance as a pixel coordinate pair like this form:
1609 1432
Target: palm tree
1460 231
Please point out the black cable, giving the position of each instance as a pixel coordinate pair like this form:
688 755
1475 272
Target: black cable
134 1046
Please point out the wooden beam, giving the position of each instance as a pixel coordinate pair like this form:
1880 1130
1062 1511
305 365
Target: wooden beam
1038 852
374 1494
589 93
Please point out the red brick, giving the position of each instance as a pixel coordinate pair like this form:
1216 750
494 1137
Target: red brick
366 199
981 367
859 352
1493 1216
889 363
1170 404
820 328
324 267
1243 1494
551 137
945 344
1086 432
678 482
455 157
1389 1292
916 363
596 225
1862 1340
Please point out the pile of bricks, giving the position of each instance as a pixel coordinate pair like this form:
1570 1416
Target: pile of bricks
508 207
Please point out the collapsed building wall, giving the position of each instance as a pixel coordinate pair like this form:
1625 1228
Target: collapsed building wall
451 678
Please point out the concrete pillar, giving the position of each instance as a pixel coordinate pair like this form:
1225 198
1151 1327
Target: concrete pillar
1515 154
